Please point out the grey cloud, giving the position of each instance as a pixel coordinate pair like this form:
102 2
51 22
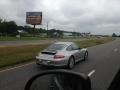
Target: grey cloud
96 16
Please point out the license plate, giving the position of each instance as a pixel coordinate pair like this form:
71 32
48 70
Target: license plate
44 62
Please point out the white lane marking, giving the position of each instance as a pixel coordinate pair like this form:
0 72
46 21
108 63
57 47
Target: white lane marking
16 67
91 73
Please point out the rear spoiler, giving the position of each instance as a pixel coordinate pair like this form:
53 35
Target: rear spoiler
49 52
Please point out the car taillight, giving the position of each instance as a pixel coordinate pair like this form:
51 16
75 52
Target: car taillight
58 56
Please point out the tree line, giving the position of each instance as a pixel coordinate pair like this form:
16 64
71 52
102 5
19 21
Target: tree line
8 27
115 35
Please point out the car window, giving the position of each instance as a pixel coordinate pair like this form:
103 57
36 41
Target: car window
74 46
56 47
69 48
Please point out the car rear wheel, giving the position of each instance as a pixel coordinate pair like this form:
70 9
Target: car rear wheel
86 56
71 63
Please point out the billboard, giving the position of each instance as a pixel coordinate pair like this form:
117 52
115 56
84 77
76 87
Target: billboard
34 18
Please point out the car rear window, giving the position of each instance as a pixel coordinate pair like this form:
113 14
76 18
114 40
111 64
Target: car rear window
56 47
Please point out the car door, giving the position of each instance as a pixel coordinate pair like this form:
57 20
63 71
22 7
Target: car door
77 52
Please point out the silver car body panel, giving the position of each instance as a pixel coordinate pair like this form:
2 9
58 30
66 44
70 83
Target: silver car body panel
49 60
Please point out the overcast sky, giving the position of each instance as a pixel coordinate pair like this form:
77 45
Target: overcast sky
95 16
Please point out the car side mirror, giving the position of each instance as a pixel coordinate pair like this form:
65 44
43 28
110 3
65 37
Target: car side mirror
59 80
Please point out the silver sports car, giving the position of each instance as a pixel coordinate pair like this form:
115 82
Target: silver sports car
62 54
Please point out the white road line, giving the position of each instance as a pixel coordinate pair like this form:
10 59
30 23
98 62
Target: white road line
91 73
16 67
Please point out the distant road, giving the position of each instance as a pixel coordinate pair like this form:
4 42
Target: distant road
31 42
103 61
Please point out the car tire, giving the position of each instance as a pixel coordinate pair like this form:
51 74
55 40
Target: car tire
71 63
86 56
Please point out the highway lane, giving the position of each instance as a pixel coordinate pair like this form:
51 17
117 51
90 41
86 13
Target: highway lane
104 59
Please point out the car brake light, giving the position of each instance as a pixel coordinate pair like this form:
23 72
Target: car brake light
58 56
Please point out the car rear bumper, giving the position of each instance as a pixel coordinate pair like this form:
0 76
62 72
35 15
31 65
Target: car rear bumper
62 63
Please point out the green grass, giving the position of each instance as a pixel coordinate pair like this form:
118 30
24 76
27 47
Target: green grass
19 54
14 55
93 42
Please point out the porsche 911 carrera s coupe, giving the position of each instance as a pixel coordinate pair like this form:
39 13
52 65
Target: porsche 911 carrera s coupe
62 54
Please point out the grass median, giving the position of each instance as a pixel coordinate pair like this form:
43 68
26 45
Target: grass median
19 54
94 41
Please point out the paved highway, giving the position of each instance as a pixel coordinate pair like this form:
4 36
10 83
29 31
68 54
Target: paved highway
103 61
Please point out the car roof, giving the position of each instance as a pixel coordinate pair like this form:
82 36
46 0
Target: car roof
65 43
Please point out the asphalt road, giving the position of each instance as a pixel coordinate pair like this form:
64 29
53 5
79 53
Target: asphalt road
103 59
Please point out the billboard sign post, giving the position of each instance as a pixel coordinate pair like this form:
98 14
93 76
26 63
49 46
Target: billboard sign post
34 18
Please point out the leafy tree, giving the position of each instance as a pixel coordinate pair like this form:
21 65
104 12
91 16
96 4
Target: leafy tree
11 27
42 30
0 20
20 28
8 28
28 29
114 35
